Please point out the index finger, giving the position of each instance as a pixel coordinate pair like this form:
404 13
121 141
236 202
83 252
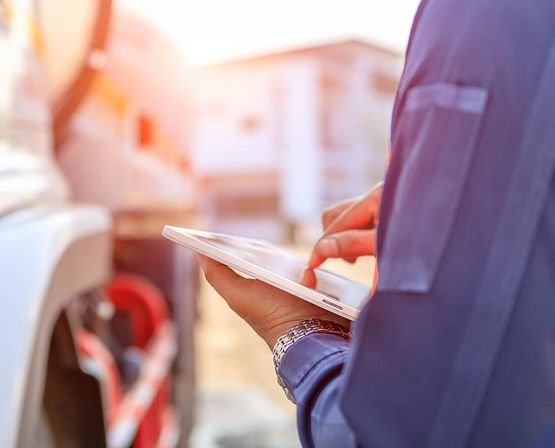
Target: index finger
360 215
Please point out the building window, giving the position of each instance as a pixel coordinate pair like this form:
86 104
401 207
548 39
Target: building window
383 84
249 123
145 130
334 114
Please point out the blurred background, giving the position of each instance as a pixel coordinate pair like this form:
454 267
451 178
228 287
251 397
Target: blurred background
120 116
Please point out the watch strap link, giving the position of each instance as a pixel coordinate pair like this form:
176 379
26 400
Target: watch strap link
298 332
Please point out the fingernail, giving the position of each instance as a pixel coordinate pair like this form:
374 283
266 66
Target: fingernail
308 278
328 247
313 262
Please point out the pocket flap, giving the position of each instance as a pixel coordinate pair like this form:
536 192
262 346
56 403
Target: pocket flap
437 134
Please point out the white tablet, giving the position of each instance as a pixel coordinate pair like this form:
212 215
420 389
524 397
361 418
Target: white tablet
275 266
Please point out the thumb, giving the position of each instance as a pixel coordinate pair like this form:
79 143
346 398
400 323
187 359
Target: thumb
349 245
230 285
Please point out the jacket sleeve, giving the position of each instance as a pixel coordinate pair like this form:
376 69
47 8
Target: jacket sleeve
312 368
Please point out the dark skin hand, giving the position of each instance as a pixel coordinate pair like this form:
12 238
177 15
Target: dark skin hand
349 225
268 310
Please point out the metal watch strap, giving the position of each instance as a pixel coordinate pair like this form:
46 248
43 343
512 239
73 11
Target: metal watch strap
299 331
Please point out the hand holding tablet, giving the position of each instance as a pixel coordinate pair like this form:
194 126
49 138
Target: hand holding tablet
275 266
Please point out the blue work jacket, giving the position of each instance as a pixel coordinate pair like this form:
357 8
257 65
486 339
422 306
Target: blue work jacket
457 346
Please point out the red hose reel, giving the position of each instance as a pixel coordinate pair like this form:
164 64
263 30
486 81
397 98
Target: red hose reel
144 303
143 415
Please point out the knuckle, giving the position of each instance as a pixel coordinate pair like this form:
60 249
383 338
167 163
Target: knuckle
345 243
357 243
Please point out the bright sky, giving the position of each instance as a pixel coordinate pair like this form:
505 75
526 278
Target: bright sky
215 30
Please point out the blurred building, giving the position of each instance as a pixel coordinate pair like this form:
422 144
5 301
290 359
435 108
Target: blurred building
285 134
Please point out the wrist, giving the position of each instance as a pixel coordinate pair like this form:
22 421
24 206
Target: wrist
298 332
272 334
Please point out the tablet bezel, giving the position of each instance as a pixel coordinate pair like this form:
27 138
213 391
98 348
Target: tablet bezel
186 237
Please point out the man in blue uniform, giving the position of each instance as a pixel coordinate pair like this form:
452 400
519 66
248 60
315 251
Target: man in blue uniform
456 347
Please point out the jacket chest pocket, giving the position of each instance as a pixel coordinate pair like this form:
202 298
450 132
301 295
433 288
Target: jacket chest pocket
438 126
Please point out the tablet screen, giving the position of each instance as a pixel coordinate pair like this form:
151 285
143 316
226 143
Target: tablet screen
287 265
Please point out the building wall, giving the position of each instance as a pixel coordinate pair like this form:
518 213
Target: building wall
315 125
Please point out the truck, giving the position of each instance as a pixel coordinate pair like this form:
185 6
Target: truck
97 319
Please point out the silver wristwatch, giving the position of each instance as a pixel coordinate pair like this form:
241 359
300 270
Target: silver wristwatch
299 331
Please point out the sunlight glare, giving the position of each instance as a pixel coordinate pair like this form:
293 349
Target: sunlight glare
208 31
